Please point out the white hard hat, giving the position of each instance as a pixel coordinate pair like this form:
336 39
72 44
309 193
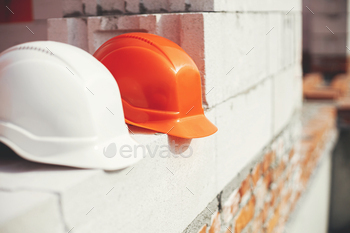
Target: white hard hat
59 105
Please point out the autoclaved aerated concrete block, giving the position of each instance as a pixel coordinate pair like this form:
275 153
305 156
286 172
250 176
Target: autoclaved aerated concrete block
73 8
233 51
245 128
108 7
30 211
168 183
60 30
287 90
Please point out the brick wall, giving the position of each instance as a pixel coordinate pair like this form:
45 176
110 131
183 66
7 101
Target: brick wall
267 196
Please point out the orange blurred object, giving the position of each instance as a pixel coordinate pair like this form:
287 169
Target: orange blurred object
160 85
315 88
341 84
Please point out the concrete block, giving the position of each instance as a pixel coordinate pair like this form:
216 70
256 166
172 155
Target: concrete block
73 8
17 33
132 6
109 7
90 7
245 128
192 40
200 5
30 211
68 30
274 38
149 6
167 183
298 39
169 26
53 179
287 41
235 53
177 5
101 29
286 92
256 5
57 30
94 200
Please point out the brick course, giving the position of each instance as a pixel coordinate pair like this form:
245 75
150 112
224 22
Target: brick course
275 183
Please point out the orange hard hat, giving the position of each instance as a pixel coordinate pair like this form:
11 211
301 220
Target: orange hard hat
160 85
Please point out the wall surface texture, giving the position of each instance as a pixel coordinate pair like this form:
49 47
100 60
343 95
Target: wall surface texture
245 178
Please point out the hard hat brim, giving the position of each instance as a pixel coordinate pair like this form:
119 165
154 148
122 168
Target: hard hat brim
90 157
197 126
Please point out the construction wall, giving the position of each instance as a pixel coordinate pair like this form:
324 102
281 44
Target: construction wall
247 177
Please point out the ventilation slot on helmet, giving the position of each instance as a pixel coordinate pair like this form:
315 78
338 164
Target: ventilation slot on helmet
35 49
138 38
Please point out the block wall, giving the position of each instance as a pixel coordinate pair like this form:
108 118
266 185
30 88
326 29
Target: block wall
249 57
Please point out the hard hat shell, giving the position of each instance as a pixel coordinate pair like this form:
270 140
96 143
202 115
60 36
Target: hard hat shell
59 105
159 83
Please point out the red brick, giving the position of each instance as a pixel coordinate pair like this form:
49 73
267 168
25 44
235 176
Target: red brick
307 147
256 173
203 229
268 160
265 212
260 194
245 215
245 186
321 94
273 221
279 170
268 178
284 202
274 195
258 223
215 224
228 230
231 206
291 154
